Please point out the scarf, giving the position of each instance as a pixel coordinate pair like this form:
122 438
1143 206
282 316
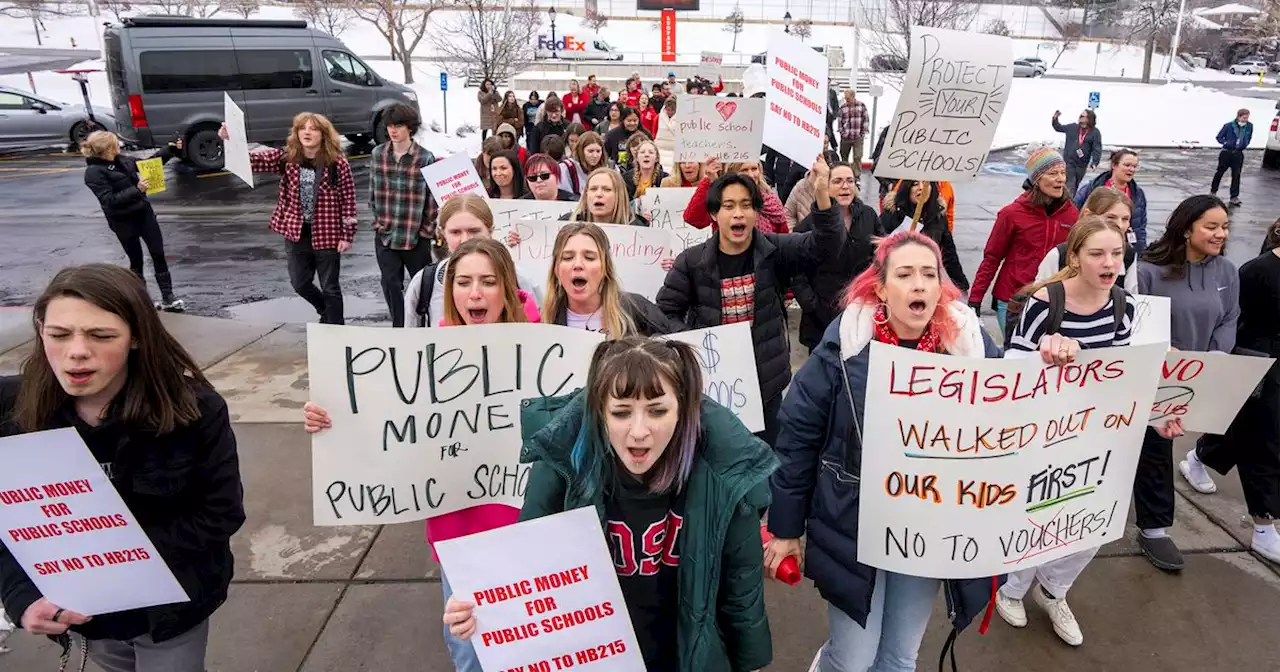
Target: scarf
929 342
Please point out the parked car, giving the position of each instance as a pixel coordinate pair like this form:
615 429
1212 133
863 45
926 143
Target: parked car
1038 63
1023 68
888 63
1252 67
1271 155
168 75
28 120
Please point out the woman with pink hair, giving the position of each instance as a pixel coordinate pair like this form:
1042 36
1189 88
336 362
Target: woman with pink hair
876 618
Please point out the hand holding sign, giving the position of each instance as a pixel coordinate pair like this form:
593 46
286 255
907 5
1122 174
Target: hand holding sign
46 618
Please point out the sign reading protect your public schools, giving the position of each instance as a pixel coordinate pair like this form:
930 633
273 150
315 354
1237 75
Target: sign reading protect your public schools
956 88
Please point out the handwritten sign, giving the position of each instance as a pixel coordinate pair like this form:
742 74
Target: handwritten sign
508 211
235 149
956 88
796 121
729 369
451 177
427 421
1206 389
1150 320
73 535
711 66
152 170
637 253
559 607
664 208
730 129
986 466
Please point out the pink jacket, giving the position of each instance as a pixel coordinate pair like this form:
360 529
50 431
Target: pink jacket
484 517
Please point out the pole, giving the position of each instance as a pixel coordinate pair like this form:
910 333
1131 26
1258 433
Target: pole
857 43
1177 36
444 96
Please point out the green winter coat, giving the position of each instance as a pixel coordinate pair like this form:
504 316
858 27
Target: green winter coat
723 626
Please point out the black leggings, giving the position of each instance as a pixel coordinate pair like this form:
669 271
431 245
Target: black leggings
145 230
1252 447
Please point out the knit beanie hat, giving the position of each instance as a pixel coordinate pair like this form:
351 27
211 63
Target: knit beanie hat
1041 161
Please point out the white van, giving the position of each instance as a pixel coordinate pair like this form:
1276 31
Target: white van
577 45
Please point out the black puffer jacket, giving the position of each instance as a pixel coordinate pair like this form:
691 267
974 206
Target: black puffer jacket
691 294
819 289
184 489
115 184
933 223
649 320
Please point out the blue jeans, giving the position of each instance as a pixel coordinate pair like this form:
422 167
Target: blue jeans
900 610
1002 314
462 653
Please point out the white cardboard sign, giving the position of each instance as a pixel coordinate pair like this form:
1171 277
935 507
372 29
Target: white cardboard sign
507 211
1150 320
796 119
711 66
956 88
730 129
980 467
451 177
1205 389
427 421
66 525
729 369
637 253
558 606
235 149
664 208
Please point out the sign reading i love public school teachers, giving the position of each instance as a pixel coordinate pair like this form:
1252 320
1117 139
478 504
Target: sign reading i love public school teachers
730 129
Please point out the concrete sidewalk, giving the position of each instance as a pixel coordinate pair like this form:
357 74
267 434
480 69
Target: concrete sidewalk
312 598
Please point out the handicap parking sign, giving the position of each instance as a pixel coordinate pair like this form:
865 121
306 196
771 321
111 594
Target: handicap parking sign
1095 99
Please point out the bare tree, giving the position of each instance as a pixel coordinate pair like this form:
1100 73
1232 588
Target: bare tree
1150 20
734 24
1071 33
402 23
891 23
593 19
201 8
331 17
997 27
244 8
36 10
802 29
169 7
118 8
485 40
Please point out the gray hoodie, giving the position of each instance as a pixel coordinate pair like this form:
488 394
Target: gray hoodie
1204 302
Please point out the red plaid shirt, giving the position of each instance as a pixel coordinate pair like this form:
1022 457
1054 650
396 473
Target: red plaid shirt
335 212
853 120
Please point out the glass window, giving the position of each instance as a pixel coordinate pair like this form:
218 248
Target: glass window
12 101
274 69
188 71
348 69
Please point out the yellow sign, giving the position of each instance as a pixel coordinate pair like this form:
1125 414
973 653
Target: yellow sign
152 170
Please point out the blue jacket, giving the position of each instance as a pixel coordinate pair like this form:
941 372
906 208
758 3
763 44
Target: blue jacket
1138 223
815 490
1228 136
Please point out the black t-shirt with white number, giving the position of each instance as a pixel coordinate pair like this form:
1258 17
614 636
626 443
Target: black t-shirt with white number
644 537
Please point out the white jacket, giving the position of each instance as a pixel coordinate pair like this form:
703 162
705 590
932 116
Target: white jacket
857 330
435 311
666 142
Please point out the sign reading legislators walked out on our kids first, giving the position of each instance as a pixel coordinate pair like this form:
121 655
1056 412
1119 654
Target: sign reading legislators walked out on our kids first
987 466
956 88
73 535
559 607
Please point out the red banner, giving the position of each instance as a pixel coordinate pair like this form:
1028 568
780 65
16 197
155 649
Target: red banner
668 36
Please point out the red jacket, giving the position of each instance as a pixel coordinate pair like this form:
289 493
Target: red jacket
1023 234
574 105
632 98
649 120
590 91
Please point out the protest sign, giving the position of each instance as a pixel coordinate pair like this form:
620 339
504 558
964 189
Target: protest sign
152 170
1150 320
66 525
711 66
637 253
981 467
730 129
729 369
664 208
507 211
796 120
560 605
956 88
1205 389
235 149
451 177
427 421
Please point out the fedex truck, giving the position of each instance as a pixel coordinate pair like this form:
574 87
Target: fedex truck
575 45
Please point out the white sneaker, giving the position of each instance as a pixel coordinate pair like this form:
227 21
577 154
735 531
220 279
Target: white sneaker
1011 610
1064 622
1193 470
1267 545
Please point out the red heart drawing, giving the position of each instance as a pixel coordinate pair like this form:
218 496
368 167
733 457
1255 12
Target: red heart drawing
726 108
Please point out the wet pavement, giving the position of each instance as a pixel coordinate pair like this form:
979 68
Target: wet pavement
227 263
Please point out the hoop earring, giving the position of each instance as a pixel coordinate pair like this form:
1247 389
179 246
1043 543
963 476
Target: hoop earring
876 315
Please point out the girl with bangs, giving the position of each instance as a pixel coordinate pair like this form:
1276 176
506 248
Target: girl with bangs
876 618
658 461
316 209
588 155
480 288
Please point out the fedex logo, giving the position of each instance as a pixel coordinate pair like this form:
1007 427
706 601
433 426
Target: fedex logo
566 43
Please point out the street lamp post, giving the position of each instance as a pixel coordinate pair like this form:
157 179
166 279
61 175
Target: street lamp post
786 22
554 52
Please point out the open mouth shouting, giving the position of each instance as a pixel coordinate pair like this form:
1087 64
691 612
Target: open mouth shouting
1107 278
638 456
79 377
578 284
918 307
477 314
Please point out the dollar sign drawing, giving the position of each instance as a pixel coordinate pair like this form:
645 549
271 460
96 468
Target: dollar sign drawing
712 358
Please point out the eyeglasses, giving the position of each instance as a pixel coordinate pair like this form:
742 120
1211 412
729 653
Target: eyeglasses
538 177
841 181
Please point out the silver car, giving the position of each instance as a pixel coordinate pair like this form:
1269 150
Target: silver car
28 120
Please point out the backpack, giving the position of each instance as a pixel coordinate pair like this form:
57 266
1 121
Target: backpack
1058 308
424 293
573 174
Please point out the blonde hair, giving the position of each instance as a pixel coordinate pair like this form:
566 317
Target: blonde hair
621 214
330 151
468 203
1102 199
643 183
503 267
675 179
615 321
1079 235
737 166
99 144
